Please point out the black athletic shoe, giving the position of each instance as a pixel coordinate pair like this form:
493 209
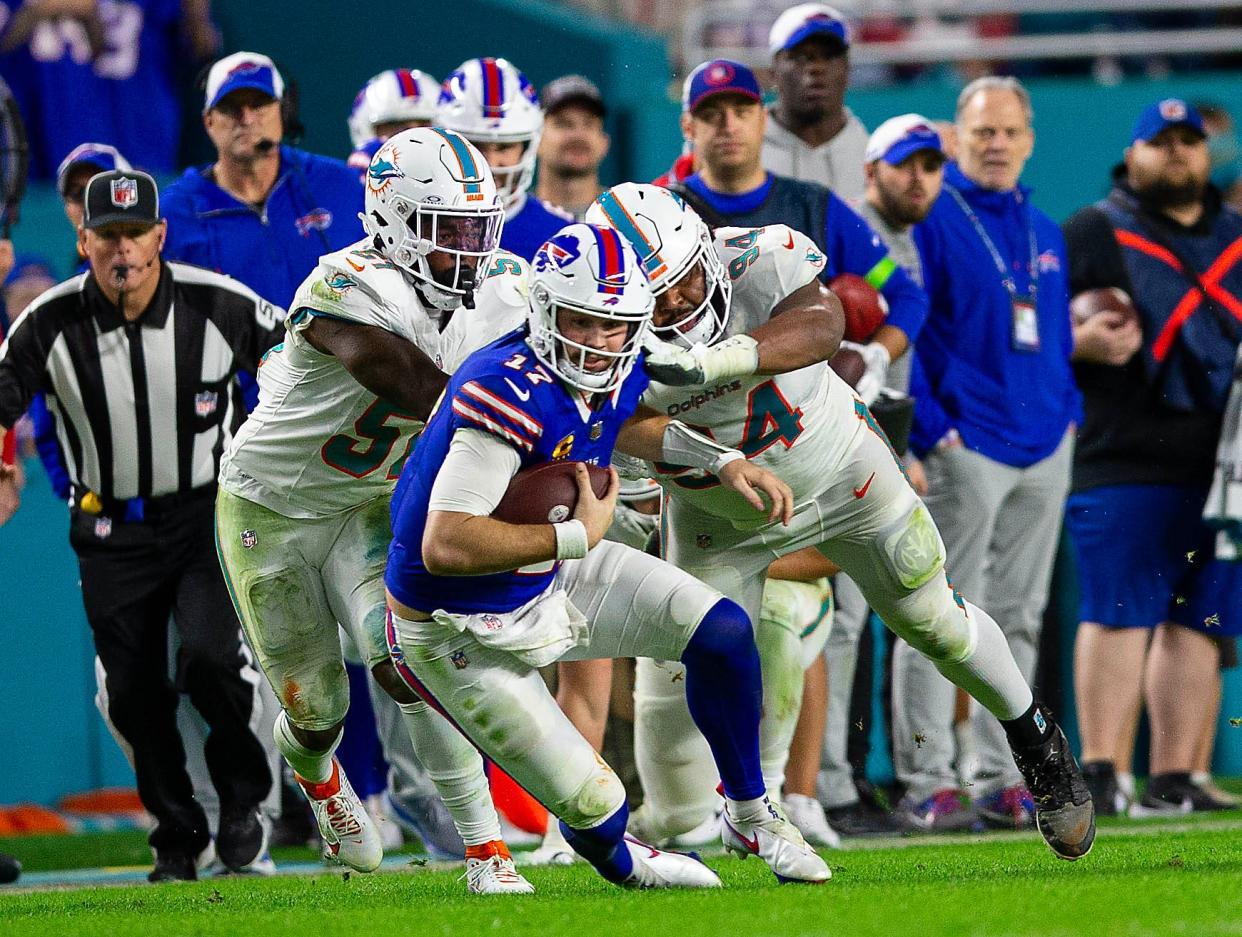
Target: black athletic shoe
173 867
241 838
1064 813
859 819
1173 794
10 869
1101 778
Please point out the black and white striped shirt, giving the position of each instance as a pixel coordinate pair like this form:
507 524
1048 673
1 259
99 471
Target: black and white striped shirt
142 408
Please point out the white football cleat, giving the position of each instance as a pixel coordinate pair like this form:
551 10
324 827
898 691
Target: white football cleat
777 842
492 872
344 824
655 868
807 814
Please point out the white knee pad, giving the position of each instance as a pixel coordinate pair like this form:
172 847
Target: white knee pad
598 798
934 621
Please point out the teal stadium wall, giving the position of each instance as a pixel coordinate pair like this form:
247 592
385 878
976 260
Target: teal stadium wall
53 739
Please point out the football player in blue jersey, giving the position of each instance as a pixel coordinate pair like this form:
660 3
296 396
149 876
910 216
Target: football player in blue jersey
494 106
478 604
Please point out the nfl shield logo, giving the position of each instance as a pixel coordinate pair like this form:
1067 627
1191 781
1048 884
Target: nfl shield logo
597 430
492 623
703 541
103 527
460 660
205 403
249 539
124 193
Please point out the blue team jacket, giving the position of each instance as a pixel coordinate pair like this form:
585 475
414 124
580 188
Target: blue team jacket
312 210
533 224
1012 406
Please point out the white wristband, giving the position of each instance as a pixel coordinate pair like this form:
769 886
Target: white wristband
571 540
724 459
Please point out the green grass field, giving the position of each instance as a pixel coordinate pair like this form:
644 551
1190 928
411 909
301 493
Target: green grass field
1154 878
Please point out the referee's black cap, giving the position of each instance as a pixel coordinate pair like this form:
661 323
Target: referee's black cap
123 195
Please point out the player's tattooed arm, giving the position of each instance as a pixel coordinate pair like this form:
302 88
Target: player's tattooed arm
387 365
805 328
650 435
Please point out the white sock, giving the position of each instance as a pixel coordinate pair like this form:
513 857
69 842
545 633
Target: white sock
457 770
746 810
315 767
990 673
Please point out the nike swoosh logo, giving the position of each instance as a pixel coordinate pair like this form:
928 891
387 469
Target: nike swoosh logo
523 395
861 492
354 265
790 244
752 844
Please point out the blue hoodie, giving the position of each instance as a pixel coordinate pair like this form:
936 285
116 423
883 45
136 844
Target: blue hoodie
312 210
1012 406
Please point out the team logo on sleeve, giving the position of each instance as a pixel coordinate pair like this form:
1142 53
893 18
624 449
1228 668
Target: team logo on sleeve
339 283
124 193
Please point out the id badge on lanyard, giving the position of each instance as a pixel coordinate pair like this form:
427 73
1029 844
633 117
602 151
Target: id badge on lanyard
1025 335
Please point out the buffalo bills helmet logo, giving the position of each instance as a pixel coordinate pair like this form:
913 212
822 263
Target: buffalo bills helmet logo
561 250
124 192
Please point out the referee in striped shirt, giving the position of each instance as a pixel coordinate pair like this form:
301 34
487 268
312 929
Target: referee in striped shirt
138 360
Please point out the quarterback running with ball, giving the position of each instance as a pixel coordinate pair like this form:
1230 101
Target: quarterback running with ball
742 359
478 604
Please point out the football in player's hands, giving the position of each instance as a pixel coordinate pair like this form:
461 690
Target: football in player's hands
1109 299
849 365
547 494
865 309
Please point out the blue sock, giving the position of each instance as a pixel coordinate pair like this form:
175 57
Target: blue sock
725 693
604 845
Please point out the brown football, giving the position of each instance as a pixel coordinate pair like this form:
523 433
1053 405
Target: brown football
546 494
849 365
1109 299
865 309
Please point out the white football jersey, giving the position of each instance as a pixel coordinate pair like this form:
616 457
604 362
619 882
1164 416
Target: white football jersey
319 442
790 423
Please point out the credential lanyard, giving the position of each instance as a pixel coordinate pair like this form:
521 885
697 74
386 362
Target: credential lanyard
1006 277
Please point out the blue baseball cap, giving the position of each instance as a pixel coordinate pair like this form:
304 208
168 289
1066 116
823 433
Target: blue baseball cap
1171 112
804 21
243 70
99 155
899 137
719 76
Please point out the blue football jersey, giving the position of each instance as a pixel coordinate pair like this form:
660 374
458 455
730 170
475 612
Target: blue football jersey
504 390
536 221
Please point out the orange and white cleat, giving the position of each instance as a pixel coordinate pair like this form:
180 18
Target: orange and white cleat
344 824
490 871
